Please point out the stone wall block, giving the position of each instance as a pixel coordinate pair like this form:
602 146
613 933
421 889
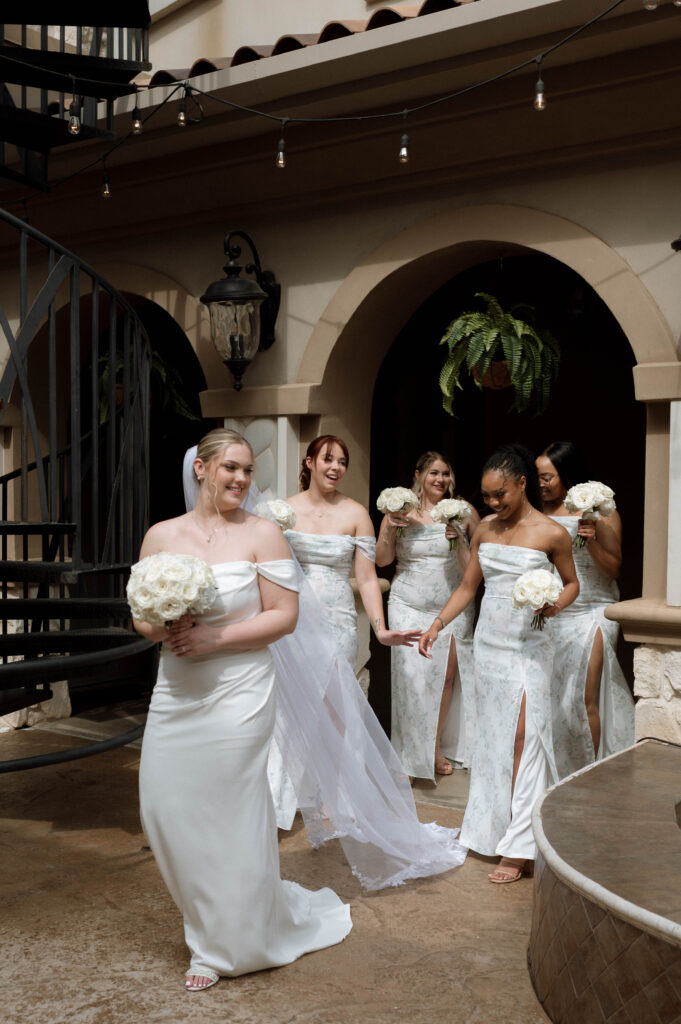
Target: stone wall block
647 675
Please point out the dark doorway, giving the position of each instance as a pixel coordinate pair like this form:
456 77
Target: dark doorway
592 404
176 421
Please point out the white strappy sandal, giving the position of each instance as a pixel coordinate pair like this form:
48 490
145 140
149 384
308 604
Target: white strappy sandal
205 974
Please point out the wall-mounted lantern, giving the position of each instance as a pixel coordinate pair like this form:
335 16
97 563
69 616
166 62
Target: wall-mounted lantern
243 310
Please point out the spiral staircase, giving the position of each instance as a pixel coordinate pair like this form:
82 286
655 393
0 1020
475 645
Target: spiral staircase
74 419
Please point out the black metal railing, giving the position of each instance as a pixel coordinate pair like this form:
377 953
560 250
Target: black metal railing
75 391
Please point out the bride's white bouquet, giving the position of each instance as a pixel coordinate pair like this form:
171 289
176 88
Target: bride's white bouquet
397 499
164 586
536 588
277 511
451 510
592 500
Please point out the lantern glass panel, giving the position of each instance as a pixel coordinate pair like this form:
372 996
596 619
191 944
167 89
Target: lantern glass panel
235 327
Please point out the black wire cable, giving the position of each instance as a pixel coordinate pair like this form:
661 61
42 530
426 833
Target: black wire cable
285 120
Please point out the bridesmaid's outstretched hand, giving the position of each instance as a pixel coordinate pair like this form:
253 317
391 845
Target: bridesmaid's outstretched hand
427 640
398 637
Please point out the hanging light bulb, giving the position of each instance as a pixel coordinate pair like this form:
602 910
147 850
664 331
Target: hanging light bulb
403 155
281 146
539 97
182 114
676 3
106 186
74 117
650 5
136 121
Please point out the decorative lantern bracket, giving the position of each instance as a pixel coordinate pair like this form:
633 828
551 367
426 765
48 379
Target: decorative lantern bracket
269 309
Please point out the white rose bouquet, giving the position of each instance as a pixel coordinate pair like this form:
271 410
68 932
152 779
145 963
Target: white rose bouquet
451 510
397 499
592 500
277 511
163 587
536 588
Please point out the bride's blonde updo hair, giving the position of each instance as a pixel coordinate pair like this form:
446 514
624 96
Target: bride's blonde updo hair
214 443
423 464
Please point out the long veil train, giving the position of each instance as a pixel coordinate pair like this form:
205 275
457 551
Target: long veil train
348 780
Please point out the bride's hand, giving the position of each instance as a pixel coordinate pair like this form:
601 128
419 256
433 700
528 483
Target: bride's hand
398 637
188 638
427 640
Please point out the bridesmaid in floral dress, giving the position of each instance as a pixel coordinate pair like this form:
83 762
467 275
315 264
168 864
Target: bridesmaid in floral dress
593 710
512 751
428 697
333 539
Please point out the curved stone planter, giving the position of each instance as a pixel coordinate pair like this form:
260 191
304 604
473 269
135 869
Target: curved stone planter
605 944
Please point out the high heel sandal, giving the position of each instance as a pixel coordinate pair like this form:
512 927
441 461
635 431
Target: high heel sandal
204 974
508 870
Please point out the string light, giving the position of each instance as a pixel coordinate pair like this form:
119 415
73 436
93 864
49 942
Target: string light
539 97
403 155
74 117
181 114
190 92
106 184
650 5
281 146
676 3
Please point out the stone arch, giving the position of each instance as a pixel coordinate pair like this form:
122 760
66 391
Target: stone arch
352 336
406 268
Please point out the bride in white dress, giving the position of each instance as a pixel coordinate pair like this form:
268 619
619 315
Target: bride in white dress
593 709
512 760
205 802
428 697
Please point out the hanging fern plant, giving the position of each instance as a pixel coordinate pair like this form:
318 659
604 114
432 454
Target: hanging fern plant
478 342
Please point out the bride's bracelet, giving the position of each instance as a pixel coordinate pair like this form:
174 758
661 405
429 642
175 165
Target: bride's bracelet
441 621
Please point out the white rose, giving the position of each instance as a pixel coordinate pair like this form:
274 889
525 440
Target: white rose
607 507
171 609
395 503
580 498
189 591
519 595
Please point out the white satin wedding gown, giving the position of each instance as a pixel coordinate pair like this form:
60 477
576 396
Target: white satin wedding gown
205 801
575 630
427 572
511 660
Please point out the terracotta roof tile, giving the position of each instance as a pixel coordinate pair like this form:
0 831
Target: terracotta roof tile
381 18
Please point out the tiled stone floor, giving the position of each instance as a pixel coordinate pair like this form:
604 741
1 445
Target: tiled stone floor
611 952
89 934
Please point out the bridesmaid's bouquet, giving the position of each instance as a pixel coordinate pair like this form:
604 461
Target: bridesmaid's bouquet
592 500
451 510
163 587
277 511
397 499
536 588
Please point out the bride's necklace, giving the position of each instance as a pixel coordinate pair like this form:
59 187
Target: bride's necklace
515 525
209 534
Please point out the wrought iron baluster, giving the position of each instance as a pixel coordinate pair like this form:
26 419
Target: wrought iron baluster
76 477
94 400
52 399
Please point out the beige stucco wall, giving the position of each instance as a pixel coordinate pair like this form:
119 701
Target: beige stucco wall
312 254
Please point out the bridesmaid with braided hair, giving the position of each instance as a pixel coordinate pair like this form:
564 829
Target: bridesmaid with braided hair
513 761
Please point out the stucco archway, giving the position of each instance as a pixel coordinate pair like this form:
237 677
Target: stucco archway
351 338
